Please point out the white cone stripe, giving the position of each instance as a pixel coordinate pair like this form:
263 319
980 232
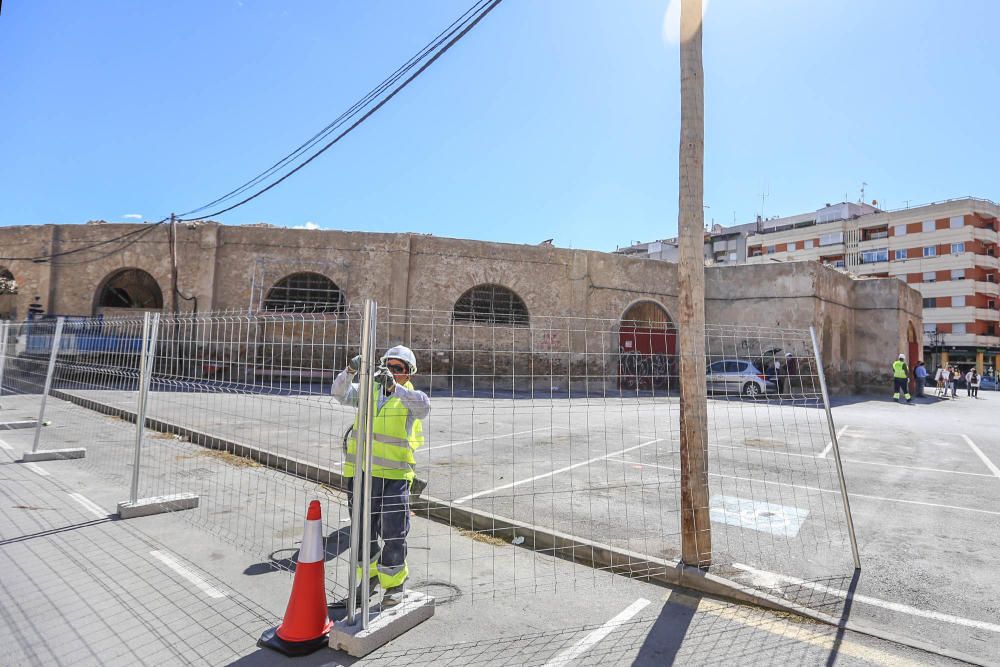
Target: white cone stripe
311 550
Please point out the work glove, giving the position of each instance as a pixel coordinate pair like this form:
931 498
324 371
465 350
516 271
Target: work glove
355 364
383 376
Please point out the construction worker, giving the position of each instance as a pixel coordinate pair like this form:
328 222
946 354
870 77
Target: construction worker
900 379
397 432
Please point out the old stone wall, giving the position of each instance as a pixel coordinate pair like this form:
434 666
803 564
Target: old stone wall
575 298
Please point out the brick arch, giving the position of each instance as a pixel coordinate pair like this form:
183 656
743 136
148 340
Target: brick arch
305 292
128 288
491 303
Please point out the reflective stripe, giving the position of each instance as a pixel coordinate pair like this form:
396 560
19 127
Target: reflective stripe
390 577
392 440
395 465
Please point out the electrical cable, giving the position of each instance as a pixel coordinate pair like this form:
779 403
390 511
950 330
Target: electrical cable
42 258
343 117
458 34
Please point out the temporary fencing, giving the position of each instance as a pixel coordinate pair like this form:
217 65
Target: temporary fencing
551 455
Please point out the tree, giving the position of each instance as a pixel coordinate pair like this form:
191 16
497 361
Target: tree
696 531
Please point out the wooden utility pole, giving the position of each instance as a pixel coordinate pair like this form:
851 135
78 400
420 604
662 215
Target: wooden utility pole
696 530
173 263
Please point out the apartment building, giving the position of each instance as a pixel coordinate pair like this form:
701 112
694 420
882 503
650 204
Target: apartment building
947 250
723 246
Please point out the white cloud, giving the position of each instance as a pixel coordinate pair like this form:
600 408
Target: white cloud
132 216
309 225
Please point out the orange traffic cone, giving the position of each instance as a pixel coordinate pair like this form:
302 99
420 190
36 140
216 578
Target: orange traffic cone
306 626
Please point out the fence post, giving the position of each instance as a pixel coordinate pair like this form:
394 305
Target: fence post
362 489
150 329
836 449
4 332
56 337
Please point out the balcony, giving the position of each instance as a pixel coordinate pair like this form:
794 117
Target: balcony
971 340
987 315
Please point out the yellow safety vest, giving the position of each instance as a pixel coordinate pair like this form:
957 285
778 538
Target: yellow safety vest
899 368
395 436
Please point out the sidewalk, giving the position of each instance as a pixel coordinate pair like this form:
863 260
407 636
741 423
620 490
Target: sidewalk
83 588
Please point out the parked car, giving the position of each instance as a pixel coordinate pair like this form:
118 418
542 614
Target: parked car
989 382
738 377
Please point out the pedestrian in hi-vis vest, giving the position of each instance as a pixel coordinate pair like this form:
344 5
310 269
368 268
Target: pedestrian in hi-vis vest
901 379
397 432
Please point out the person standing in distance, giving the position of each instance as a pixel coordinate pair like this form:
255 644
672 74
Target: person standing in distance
397 432
920 374
900 379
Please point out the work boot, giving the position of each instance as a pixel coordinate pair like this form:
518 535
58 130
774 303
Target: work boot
392 596
342 604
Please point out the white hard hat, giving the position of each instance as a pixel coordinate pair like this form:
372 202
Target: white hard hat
902 356
404 354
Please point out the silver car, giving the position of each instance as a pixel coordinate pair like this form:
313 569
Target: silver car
738 377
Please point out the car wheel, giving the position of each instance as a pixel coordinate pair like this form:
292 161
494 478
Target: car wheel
751 390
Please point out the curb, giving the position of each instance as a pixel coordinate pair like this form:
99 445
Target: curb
537 539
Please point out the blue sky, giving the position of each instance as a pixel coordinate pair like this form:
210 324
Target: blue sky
552 119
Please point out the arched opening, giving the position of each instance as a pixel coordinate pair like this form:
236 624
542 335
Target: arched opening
304 292
8 295
647 347
491 304
129 289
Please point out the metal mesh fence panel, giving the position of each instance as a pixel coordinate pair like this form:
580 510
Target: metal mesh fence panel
547 438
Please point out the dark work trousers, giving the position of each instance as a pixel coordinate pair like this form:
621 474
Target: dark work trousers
390 520
900 386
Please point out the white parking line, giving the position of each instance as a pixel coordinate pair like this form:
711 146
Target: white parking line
829 445
569 656
979 453
765 577
858 461
182 569
89 505
4 445
816 488
554 472
37 469
487 437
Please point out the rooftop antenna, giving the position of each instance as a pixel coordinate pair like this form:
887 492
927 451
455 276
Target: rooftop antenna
862 200
764 194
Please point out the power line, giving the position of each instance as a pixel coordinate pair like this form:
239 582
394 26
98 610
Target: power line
42 258
437 46
457 33
354 108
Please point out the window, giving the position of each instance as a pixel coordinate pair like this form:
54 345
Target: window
717 367
991 304
956 222
839 264
957 248
958 274
990 278
771 249
930 277
928 225
900 254
831 238
732 257
930 302
491 304
808 243
900 230
794 245
305 292
930 251
873 256
958 302
958 328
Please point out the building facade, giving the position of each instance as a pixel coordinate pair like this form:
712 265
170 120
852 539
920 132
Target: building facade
947 250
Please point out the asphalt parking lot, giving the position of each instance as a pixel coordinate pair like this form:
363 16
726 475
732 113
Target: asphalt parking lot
923 485
81 587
